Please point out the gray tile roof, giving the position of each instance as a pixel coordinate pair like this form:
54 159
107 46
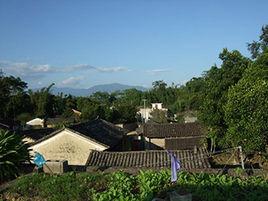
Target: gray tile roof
37 134
101 131
97 130
149 159
171 130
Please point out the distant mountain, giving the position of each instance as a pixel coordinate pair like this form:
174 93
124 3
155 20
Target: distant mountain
102 88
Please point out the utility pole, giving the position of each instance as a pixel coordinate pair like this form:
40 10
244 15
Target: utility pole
144 103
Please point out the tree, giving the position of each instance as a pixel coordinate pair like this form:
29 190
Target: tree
189 96
126 113
159 116
101 97
217 82
131 96
69 102
256 48
13 99
43 102
161 93
13 151
246 109
159 84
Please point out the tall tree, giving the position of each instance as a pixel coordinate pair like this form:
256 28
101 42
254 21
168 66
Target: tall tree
43 102
246 109
13 99
217 83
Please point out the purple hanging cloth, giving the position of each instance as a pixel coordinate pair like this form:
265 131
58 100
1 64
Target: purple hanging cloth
175 166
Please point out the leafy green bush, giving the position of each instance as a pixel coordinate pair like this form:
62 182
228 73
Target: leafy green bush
13 151
151 182
120 186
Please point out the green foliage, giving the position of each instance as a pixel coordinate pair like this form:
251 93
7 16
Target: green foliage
159 116
126 113
13 99
217 83
257 48
68 186
89 109
101 97
160 93
150 183
13 151
43 102
120 186
118 107
246 109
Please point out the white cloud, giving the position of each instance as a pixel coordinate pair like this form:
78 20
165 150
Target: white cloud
43 68
34 72
72 81
158 71
89 67
111 69
78 67
25 69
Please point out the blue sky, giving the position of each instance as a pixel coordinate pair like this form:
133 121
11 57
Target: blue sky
83 43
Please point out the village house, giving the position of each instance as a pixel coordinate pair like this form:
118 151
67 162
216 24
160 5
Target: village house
74 143
180 136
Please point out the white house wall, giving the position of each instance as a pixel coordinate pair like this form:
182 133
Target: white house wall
67 145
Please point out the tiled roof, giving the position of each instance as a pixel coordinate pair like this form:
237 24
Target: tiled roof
37 134
184 142
59 120
101 131
97 130
171 130
149 159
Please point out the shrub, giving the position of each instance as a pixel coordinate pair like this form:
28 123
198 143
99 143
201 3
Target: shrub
13 151
120 186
